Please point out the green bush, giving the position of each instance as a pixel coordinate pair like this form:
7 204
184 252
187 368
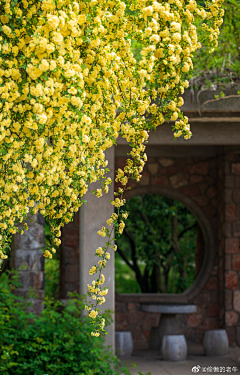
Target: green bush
57 341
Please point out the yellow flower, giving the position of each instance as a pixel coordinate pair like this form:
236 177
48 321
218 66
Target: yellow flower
57 38
92 270
93 314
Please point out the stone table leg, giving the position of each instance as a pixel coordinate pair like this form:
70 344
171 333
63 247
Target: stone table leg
168 326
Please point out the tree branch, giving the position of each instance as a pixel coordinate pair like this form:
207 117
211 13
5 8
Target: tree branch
187 229
224 97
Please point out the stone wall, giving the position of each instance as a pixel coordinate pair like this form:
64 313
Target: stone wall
129 317
202 180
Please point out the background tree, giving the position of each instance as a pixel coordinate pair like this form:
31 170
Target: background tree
222 67
159 244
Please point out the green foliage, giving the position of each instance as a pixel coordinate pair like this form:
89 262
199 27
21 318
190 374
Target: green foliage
125 278
51 277
51 270
57 341
223 65
158 246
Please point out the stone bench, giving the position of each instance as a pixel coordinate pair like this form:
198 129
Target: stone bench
215 342
174 348
168 323
124 344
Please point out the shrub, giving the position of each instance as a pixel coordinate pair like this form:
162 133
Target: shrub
57 341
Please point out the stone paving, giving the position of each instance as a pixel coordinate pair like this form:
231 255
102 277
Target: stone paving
150 362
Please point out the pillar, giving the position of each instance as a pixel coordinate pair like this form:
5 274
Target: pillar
93 217
231 238
27 258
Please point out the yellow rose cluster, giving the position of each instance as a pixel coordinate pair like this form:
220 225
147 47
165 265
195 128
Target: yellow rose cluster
70 85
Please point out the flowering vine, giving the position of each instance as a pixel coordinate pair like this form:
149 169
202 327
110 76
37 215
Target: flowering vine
70 85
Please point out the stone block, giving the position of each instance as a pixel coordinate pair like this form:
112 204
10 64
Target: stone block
236 300
227 229
184 162
147 334
120 317
135 317
124 344
194 320
209 323
151 320
190 190
32 239
145 179
227 169
210 180
211 192
170 170
199 168
236 262
23 279
231 213
229 157
228 262
120 306
215 343
165 162
236 229
194 179
174 348
121 326
228 195
212 283
151 160
213 310
159 181
203 298
201 200
214 202
28 259
236 168
35 280
203 187
232 246
37 306
231 280
215 270
178 180
214 296
231 318
153 168
228 299
210 211
131 306
230 181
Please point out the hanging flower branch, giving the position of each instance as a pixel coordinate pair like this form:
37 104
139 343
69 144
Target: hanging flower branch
70 85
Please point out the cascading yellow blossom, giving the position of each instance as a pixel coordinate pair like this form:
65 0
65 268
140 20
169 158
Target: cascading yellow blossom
70 85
